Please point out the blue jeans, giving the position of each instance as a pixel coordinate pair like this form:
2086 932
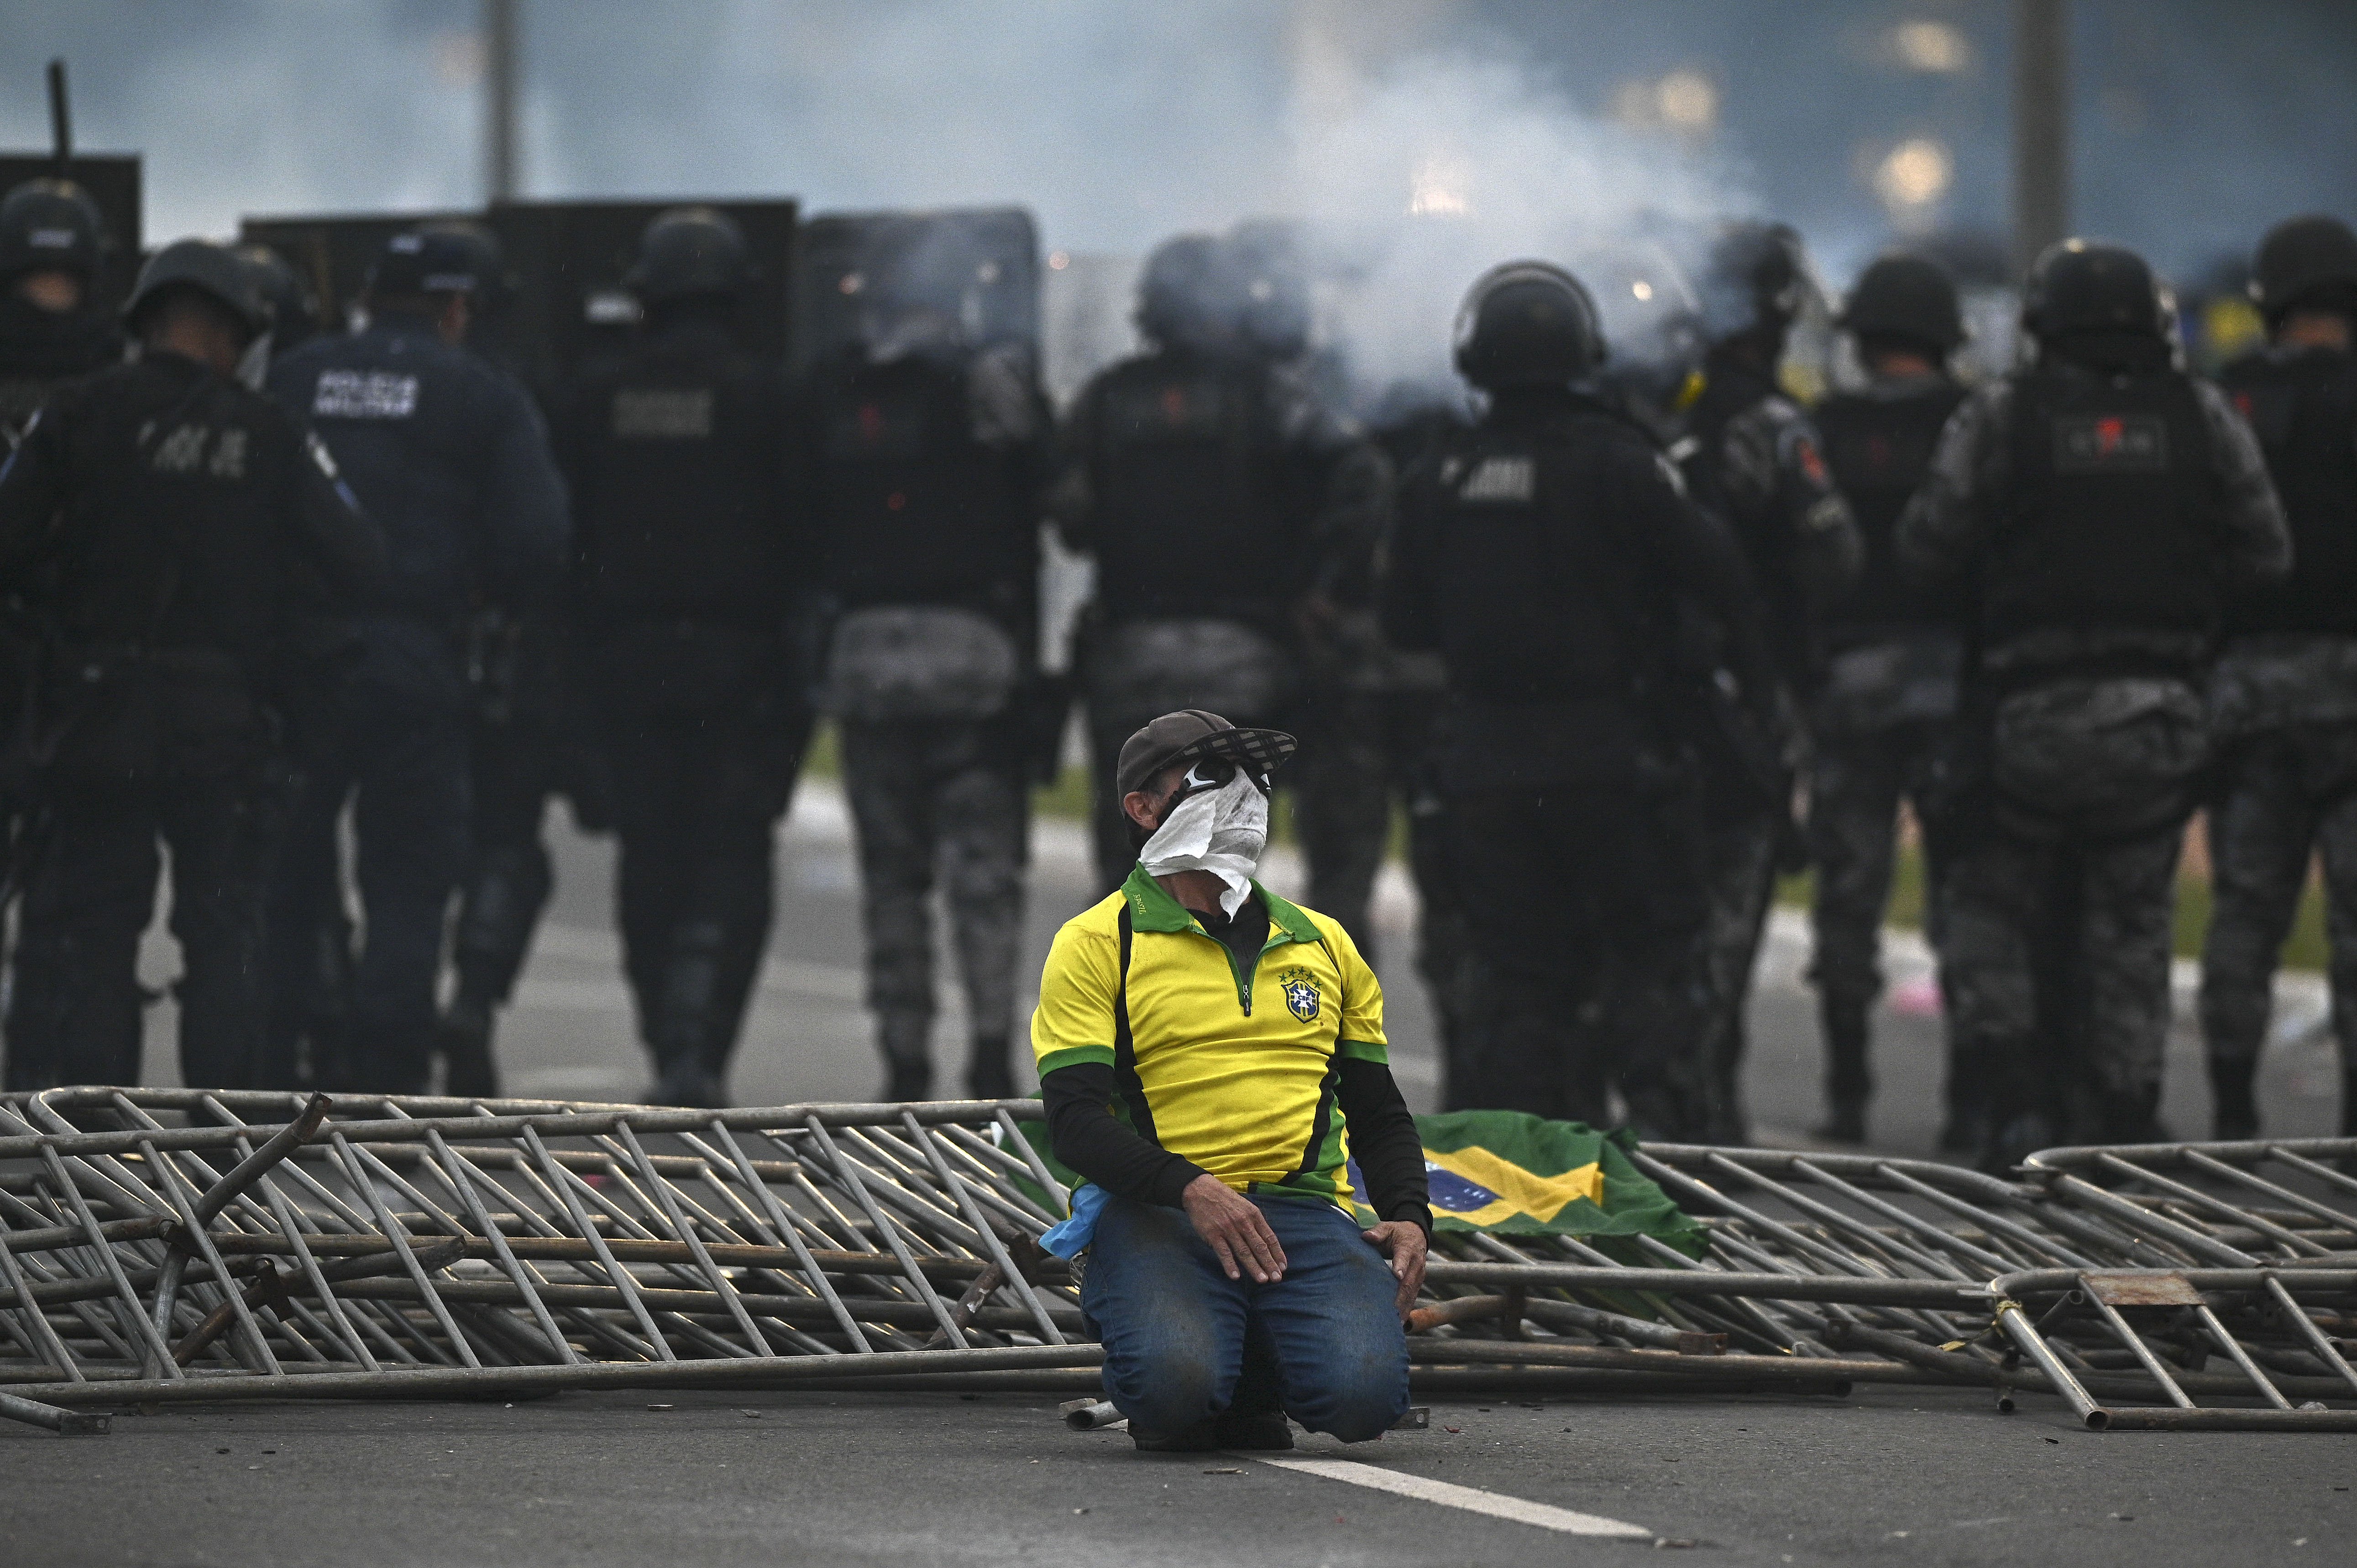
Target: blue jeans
1184 1343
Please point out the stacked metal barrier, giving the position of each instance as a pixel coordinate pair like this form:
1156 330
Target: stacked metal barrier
176 1245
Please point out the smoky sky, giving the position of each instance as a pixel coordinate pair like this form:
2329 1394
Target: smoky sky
2196 122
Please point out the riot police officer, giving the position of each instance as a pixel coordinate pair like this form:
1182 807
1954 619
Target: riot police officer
685 586
452 461
2091 510
1881 716
193 550
519 707
1544 553
51 242
1756 462
1225 507
930 453
2284 696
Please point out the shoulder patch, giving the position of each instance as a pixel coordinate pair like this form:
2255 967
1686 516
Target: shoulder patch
1501 479
364 394
662 413
2110 444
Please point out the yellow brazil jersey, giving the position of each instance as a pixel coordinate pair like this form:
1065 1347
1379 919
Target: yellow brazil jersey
1233 1071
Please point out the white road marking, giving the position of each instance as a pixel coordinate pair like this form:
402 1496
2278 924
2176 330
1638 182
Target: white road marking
1449 1494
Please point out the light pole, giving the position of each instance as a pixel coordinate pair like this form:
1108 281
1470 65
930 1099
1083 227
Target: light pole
2041 127
500 100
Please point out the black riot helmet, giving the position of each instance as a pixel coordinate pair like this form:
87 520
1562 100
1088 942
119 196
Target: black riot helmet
294 307
1272 289
50 225
486 259
1755 281
2087 285
689 251
1912 298
200 266
2308 260
1527 324
427 261
1183 297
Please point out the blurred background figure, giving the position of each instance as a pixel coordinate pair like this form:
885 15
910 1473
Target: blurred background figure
1231 514
2283 700
517 711
1543 554
450 457
2093 509
192 550
1758 464
690 551
1880 719
928 448
51 327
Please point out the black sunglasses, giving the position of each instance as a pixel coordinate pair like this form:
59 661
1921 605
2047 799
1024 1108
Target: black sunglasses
1209 773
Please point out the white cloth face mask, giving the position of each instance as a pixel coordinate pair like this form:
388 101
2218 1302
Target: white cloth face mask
1220 830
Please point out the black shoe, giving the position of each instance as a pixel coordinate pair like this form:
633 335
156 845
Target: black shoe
989 1076
688 1085
908 1082
2234 1115
1266 1431
1199 1439
463 1039
1961 1133
1845 1125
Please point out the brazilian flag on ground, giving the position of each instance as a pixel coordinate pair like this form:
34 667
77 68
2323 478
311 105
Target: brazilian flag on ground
1516 1174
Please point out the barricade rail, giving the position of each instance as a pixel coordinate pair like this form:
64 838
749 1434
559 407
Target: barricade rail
176 1245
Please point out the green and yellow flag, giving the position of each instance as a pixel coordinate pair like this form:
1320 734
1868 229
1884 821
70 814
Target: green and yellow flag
1516 1174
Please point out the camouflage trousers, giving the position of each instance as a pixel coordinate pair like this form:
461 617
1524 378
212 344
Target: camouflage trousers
1741 866
2285 796
938 801
2055 956
1856 782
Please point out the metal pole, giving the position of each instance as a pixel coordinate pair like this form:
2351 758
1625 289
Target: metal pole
500 100
2041 127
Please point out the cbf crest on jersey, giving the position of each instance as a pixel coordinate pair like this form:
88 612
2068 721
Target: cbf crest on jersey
1300 993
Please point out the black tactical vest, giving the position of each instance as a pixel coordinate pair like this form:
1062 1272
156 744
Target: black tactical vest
2303 409
1196 513
1879 449
1535 601
914 509
679 473
2106 542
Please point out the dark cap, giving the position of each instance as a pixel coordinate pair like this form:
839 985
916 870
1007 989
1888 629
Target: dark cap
428 260
1189 734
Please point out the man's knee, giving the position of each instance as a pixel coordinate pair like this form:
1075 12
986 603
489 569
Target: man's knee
1354 1394
1169 1379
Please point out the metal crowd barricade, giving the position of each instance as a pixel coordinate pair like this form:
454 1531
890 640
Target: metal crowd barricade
170 1245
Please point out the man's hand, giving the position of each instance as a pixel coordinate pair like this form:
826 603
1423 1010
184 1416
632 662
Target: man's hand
1238 1231
1404 1242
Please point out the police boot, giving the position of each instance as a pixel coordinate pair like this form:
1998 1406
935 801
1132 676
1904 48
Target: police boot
1967 1126
988 1073
463 1040
1847 1087
905 1039
2234 1100
2126 1115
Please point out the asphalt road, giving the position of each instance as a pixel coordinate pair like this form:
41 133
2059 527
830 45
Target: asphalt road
1891 1476
697 1480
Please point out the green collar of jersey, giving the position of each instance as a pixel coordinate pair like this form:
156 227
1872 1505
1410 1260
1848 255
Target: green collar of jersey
1153 909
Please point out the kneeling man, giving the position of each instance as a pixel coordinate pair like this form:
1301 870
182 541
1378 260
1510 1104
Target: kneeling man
1213 1061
